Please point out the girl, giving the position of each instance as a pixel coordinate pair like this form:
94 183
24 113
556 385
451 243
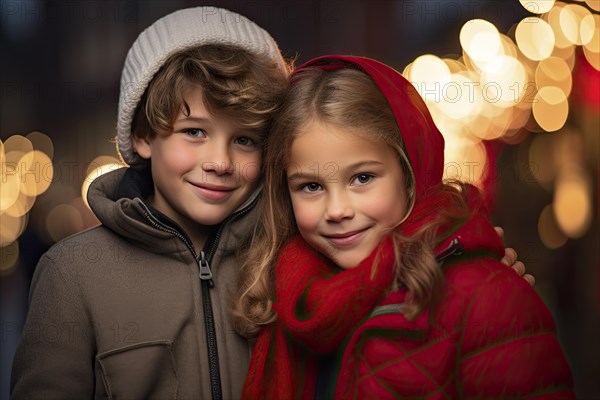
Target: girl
387 281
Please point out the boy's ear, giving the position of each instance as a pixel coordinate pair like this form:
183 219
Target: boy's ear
142 146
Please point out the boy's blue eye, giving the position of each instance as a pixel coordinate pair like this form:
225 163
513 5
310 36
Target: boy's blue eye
362 179
194 132
311 187
245 141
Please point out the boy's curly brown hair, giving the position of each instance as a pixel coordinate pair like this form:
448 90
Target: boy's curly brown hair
236 84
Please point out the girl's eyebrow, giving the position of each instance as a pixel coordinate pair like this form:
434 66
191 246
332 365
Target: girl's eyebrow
366 163
298 174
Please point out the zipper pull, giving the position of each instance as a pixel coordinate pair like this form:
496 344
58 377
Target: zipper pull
452 249
205 272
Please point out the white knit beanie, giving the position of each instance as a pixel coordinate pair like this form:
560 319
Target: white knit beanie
175 32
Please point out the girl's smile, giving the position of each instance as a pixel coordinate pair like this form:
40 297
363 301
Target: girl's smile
346 239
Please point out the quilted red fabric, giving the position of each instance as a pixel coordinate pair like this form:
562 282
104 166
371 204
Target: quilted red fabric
491 336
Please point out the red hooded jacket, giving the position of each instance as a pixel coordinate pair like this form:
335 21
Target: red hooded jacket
490 335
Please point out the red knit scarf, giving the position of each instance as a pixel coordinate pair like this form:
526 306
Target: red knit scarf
318 306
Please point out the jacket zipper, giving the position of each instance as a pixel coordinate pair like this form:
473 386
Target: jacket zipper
206 283
387 309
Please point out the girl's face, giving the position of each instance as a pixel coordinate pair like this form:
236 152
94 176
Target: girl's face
347 192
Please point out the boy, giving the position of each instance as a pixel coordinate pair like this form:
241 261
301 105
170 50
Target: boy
147 316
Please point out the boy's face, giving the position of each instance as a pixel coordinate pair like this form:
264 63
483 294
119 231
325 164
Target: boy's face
347 192
205 169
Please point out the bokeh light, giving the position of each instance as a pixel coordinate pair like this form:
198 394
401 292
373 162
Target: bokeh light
572 203
550 234
514 88
537 6
41 142
26 171
12 227
554 71
429 74
571 17
456 100
37 173
465 160
18 143
95 173
550 108
10 188
593 4
481 41
504 83
535 38
100 161
62 221
553 19
21 206
587 28
591 49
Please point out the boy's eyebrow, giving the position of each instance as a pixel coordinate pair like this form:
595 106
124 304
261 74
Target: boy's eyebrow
312 175
197 119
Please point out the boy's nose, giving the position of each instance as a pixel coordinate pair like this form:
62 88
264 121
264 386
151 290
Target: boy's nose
338 208
219 162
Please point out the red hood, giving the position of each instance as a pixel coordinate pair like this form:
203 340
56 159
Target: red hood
423 141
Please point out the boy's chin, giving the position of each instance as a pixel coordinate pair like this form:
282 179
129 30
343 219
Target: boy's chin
210 220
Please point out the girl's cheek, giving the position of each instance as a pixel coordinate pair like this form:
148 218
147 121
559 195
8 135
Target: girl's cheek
305 217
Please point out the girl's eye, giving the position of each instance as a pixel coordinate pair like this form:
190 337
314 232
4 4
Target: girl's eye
362 179
194 132
311 187
245 141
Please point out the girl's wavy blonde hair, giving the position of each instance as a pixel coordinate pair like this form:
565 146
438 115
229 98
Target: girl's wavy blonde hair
345 98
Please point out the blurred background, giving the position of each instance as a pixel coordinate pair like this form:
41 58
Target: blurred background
513 85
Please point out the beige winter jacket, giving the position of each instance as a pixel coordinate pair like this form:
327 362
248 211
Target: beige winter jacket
117 311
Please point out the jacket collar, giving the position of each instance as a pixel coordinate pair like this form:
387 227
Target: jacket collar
118 200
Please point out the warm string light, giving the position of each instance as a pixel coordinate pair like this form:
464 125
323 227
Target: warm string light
26 171
505 89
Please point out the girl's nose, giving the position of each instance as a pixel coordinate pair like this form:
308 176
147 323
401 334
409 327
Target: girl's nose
338 208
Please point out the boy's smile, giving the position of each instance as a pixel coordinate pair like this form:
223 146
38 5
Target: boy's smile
347 192
204 170
211 191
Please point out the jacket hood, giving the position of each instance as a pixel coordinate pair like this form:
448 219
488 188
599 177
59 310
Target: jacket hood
128 216
423 141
